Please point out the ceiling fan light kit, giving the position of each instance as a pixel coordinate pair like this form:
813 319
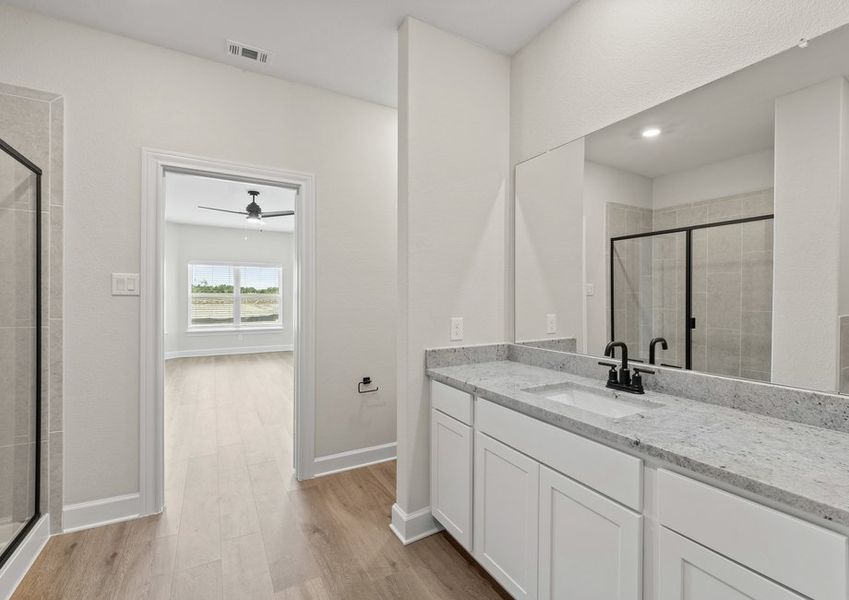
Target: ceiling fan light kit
253 213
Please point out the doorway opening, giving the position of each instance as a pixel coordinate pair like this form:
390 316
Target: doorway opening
227 336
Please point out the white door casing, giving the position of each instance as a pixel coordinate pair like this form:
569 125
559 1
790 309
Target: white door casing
155 164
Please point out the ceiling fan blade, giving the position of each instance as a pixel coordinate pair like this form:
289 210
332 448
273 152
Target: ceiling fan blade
279 213
235 212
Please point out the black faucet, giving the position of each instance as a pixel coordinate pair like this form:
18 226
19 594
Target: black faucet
623 380
608 351
653 343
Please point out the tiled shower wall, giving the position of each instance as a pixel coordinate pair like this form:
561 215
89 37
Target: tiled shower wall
732 284
33 123
633 294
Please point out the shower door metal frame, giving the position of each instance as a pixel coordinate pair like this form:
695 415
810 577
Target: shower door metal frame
689 320
36 170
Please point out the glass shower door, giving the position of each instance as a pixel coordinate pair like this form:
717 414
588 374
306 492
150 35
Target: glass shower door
732 299
705 289
20 415
649 294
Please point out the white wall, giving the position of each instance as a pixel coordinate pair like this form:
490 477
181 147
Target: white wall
550 244
122 95
811 145
190 243
602 60
738 175
603 184
453 179
609 184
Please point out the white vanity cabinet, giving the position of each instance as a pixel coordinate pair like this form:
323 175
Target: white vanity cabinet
451 476
549 514
451 461
589 546
688 571
739 547
506 520
552 515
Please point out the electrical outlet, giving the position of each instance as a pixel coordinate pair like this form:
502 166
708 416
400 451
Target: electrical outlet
551 323
456 329
590 289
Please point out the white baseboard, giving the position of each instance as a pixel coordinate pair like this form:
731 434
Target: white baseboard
101 512
353 459
412 527
228 351
21 560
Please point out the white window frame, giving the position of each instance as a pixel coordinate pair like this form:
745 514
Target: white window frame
237 325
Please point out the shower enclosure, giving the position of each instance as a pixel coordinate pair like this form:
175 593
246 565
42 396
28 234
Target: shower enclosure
705 289
20 347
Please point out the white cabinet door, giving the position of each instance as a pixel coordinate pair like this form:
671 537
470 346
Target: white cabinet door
451 458
688 571
506 511
590 548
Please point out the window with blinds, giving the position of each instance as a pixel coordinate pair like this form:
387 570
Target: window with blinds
234 296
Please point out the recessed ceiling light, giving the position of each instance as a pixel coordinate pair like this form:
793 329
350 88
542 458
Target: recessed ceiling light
650 132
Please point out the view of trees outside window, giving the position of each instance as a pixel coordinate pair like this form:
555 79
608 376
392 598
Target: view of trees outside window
234 295
259 295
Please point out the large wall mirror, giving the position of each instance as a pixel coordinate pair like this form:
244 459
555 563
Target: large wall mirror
715 224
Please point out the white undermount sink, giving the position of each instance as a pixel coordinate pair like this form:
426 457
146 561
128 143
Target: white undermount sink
608 404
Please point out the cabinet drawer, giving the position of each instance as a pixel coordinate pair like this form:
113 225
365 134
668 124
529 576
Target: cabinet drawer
451 401
613 473
688 571
798 554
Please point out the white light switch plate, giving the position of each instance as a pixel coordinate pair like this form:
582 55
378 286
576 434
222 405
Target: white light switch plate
456 329
590 289
125 284
551 323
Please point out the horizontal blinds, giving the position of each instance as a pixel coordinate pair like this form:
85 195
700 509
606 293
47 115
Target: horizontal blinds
223 295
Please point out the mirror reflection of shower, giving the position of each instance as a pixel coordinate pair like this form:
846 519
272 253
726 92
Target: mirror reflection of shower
702 284
20 188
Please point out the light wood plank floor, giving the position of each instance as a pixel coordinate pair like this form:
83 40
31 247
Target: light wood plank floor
238 525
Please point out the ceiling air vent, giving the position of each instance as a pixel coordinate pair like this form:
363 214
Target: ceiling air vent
247 52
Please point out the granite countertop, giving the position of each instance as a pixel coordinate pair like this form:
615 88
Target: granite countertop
800 466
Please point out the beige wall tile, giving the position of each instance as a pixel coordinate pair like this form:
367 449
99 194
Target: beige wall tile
33 121
723 351
55 259
723 209
57 154
724 301
757 281
25 124
757 236
756 342
55 485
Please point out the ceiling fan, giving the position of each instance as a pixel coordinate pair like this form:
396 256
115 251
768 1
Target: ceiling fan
253 211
